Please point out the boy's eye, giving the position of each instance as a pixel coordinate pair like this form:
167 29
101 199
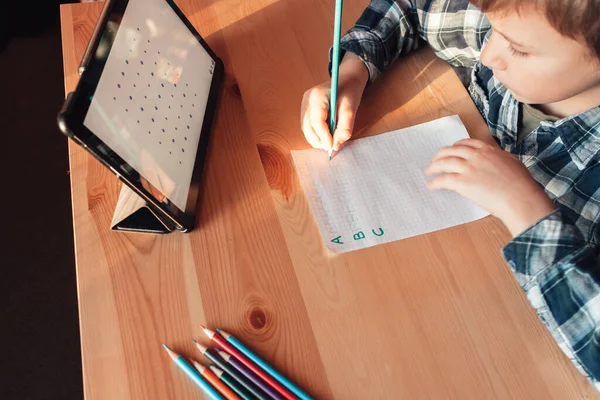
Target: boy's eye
516 52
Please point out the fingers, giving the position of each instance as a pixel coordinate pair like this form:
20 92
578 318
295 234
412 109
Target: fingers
309 133
341 136
318 122
345 123
465 152
474 143
315 105
314 112
448 181
314 108
448 165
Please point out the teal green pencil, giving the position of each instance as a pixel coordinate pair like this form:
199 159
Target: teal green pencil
232 383
335 68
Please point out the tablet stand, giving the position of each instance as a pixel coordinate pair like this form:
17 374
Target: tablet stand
133 214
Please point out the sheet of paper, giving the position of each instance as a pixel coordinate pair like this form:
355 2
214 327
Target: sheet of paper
374 191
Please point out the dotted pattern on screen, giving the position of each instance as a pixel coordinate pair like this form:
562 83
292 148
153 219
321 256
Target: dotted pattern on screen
150 94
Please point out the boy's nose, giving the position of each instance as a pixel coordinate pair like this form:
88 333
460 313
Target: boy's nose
491 55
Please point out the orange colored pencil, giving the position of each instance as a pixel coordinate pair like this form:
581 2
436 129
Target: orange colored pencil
216 382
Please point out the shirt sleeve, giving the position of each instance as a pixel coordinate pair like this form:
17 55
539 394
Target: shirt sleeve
388 29
560 274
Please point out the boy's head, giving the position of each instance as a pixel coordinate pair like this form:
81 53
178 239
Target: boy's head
544 51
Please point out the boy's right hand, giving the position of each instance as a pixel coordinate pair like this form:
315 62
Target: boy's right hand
314 112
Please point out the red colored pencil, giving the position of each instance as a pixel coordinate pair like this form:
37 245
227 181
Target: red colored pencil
220 340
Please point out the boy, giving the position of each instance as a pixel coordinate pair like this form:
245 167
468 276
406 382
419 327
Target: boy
533 70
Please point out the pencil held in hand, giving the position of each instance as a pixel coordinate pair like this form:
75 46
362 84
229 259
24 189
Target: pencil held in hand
353 78
335 69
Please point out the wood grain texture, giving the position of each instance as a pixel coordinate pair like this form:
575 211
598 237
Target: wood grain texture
437 316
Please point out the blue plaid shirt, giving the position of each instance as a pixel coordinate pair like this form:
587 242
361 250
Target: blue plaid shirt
556 260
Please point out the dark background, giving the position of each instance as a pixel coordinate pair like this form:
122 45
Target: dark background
38 315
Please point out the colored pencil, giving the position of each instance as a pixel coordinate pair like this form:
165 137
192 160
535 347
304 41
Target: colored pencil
250 375
335 68
232 383
258 361
194 375
218 339
214 357
213 380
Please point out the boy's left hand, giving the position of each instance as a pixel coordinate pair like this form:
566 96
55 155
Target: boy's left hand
493 179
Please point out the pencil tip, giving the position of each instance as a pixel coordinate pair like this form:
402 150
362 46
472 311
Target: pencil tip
223 333
200 347
216 370
171 353
203 327
195 341
198 366
225 356
208 332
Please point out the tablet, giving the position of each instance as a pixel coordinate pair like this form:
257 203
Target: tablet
144 104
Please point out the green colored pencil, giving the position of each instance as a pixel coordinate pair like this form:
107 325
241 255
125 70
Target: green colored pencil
335 68
232 383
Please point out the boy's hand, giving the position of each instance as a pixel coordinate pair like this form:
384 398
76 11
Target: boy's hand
314 113
493 179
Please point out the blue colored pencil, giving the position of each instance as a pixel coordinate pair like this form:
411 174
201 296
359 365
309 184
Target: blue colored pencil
335 68
262 364
194 375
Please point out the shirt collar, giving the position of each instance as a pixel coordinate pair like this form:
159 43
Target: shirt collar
580 135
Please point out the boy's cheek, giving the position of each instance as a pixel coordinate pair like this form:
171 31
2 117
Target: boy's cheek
545 81
533 90
524 92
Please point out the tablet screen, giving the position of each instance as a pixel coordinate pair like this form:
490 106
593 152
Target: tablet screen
150 100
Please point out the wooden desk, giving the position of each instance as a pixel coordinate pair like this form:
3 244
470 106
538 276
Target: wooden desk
437 316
